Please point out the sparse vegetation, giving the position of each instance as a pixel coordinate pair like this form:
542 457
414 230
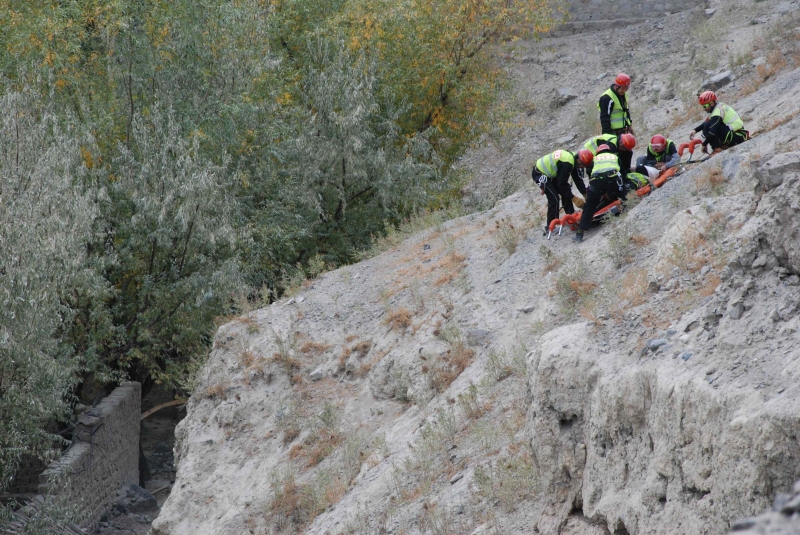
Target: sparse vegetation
508 236
573 286
399 319
510 479
449 365
709 182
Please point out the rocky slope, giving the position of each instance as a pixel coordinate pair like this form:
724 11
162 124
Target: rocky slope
478 378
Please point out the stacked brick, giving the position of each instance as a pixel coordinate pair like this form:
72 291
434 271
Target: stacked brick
587 15
104 455
26 479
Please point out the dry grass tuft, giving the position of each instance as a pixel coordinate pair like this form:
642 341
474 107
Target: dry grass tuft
508 236
551 260
634 287
314 348
246 359
399 320
452 264
449 365
709 182
775 63
362 348
217 391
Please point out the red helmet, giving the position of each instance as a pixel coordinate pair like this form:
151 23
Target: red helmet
585 156
658 143
603 147
628 141
707 97
622 80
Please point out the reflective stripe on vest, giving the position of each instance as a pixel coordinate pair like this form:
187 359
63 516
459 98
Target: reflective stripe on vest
617 115
592 143
731 118
659 156
604 164
547 164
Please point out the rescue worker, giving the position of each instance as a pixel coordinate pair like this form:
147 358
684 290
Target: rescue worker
552 173
723 129
606 181
661 154
615 117
622 145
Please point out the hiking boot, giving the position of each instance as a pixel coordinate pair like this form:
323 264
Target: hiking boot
578 237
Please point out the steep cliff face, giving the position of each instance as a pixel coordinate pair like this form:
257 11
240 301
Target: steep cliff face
478 378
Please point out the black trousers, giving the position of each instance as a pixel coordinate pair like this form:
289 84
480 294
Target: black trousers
727 139
553 190
624 157
608 186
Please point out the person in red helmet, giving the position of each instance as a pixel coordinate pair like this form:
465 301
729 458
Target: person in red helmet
606 181
625 153
661 154
552 173
723 129
615 117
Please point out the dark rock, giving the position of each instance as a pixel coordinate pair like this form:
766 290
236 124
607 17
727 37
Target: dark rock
686 355
741 525
718 81
656 343
563 96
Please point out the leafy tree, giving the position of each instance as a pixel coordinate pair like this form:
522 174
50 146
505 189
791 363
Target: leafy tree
348 168
46 220
170 228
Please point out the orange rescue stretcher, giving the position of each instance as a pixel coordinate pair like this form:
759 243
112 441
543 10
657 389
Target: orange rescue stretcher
572 220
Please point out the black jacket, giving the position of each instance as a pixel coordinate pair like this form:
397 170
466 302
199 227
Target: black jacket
566 170
606 105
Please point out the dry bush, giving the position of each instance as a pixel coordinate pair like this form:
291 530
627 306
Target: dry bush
572 287
710 286
709 182
217 391
316 447
294 504
634 287
315 348
690 253
399 320
449 365
508 236
246 359
350 338
472 405
362 348
748 88
551 260
510 479
452 265
252 325
639 240
775 63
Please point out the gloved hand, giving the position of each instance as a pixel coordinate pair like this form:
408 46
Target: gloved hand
691 135
578 201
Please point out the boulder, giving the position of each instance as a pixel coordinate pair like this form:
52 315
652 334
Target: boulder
718 81
772 172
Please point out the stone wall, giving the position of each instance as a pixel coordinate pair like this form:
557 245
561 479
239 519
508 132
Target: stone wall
104 454
588 15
